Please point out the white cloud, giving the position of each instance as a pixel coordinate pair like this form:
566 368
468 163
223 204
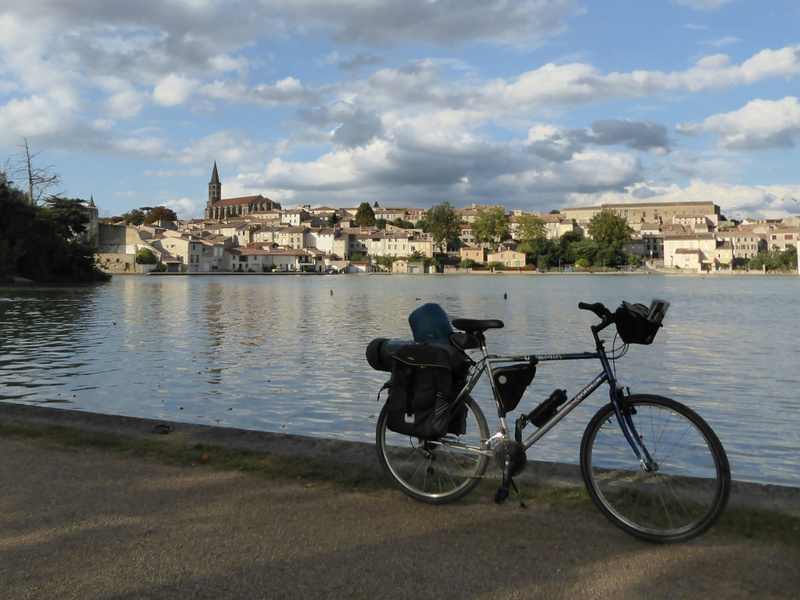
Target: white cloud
735 201
183 206
759 124
174 89
725 41
35 116
702 4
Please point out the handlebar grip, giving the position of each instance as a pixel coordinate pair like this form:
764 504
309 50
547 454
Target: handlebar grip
597 308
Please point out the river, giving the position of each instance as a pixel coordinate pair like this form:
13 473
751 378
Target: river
286 353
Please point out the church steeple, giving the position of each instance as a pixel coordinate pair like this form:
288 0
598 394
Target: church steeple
214 187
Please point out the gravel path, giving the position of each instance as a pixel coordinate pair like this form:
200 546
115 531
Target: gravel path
93 525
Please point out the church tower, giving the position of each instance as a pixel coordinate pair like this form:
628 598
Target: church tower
214 187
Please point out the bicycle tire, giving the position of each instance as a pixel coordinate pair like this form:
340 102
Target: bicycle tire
679 500
438 471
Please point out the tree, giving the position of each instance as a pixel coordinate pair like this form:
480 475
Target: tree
491 227
530 227
45 243
365 216
584 251
608 229
160 213
442 223
398 222
771 260
385 261
565 242
38 179
68 216
417 256
133 217
611 234
542 252
145 256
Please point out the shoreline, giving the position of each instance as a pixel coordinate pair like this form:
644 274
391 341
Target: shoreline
359 454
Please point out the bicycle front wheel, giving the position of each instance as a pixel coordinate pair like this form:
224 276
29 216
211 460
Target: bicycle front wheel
685 487
435 471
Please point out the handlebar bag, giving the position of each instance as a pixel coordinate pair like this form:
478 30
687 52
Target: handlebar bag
633 326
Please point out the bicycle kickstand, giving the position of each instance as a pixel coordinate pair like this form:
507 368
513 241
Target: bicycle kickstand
502 493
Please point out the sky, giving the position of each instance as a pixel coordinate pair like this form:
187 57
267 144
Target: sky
530 104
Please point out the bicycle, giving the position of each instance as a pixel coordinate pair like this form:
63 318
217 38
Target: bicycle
650 464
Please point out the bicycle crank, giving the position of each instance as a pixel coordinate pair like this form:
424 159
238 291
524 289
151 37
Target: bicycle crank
510 457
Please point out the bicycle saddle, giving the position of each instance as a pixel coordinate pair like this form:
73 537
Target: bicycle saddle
476 325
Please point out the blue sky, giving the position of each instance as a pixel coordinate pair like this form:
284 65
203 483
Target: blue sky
532 104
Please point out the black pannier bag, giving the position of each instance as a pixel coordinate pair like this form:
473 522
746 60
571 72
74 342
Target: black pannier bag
511 383
415 392
633 326
419 391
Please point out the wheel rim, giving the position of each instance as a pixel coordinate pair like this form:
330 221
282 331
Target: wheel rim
440 470
677 498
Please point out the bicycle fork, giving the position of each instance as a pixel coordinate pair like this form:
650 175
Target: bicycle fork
625 420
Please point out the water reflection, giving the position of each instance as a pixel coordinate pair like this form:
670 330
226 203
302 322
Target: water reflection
287 353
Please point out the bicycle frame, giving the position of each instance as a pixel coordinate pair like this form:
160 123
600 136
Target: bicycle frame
488 363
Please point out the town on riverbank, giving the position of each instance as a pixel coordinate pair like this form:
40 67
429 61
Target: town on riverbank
254 234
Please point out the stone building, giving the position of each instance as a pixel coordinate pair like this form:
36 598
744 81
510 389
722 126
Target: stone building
219 208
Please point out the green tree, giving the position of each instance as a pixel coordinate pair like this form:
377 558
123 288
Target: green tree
417 256
385 261
67 215
133 217
608 229
442 223
611 234
773 260
365 216
788 259
491 227
45 243
160 213
145 256
530 227
585 251
543 253
403 224
565 242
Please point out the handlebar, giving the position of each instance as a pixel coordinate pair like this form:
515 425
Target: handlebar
599 309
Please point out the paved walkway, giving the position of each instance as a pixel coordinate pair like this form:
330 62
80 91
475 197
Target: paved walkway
93 525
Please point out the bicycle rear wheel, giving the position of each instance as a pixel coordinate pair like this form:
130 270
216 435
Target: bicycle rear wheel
435 471
686 490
